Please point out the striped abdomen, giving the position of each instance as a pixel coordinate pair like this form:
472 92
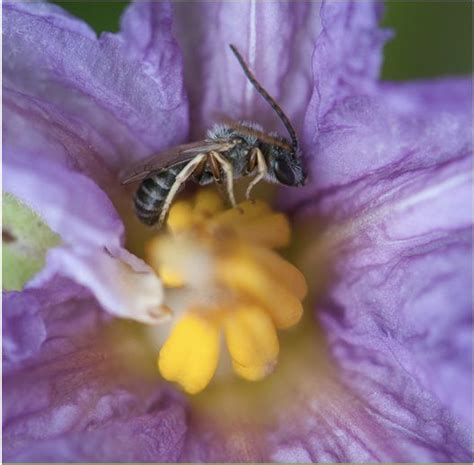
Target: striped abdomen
151 194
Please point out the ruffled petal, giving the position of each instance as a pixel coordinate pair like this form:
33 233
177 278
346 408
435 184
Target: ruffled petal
94 100
393 188
275 38
24 328
400 326
401 241
347 58
146 27
87 392
371 149
398 313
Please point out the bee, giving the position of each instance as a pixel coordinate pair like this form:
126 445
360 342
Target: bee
230 151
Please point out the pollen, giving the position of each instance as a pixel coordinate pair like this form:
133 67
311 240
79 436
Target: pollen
225 282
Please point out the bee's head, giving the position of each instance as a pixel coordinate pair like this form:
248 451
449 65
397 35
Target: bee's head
282 156
285 166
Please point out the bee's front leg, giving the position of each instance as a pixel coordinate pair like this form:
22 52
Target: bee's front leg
229 174
262 170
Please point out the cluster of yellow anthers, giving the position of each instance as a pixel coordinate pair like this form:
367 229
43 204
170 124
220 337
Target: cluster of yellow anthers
236 285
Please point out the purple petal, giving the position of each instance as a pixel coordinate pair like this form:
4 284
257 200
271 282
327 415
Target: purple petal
26 332
275 38
399 322
392 172
117 106
367 146
84 396
393 182
38 130
403 328
24 327
70 203
348 56
75 208
403 232
147 29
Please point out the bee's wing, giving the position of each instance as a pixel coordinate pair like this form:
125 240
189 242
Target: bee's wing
167 158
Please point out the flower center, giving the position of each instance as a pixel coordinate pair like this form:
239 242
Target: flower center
224 278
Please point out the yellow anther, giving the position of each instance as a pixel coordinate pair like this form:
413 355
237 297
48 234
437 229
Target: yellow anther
279 269
207 204
232 282
245 276
252 342
180 216
189 356
270 230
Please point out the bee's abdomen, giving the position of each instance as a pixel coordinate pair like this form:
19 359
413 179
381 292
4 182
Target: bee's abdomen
151 195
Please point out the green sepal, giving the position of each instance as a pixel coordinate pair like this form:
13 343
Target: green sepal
25 241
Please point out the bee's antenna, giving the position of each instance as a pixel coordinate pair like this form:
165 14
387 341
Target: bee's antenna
267 97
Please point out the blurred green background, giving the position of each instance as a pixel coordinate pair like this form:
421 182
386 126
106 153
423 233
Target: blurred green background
433 38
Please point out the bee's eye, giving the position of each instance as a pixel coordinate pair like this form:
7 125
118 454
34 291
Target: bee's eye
284 172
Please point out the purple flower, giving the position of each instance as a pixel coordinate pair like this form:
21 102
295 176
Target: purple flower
383 370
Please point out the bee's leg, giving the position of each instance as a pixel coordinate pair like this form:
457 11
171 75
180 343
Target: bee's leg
261 171
215 167
252 161
198 171
229 174
182 177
